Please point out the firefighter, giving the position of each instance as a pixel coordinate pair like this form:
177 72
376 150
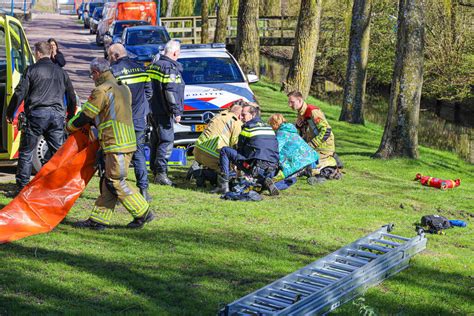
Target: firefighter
134 76
315 129
42 88
166 107
109 105
223 130
256 154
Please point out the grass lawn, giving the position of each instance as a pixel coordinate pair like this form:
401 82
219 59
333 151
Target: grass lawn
203 252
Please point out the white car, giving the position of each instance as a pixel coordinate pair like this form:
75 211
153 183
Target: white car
214 80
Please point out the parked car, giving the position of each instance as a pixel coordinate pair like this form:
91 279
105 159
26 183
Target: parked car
116 30
88 10
214 80
115 11
79 10
144 42
95 19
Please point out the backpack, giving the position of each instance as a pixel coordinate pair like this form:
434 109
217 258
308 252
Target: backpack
435 223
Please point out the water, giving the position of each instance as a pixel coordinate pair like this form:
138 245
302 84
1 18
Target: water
441 125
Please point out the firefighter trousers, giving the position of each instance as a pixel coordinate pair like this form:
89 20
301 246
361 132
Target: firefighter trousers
114 187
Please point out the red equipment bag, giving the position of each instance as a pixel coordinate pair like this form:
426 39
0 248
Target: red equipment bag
437 183
46 200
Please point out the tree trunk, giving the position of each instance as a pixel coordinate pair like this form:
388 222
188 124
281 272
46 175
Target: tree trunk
356 74
221 23
306 42
204 21
247 48
270 7
400 137
169 7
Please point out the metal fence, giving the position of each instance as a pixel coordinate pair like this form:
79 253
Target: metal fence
12 7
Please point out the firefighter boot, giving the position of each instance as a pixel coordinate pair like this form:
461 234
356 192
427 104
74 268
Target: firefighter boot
222 185
162 178
139 222
144 192
88 223
270 186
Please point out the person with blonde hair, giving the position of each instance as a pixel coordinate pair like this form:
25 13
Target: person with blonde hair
295 153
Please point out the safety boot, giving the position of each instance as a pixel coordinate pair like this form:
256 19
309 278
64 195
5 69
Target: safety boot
222 185
270 186
88 223
139 222
144 192
162 178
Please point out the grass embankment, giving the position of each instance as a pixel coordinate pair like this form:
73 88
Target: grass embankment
202 252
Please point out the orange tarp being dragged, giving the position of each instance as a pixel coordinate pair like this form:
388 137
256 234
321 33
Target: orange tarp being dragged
47 199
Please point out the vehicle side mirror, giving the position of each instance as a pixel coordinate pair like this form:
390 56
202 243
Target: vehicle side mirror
252 78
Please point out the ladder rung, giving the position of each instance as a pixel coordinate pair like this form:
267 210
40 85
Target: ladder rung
281 299
273 302
376 247
330 273
342 266
294 291
312 286
352 260
298 288
292 297
386 242
362 253
395 237
315 279
254 308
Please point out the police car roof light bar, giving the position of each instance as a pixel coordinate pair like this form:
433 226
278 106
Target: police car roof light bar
329 282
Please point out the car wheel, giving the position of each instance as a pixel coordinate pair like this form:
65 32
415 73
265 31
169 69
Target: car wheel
41 155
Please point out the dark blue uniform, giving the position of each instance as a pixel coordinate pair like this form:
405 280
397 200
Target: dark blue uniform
167 103
135 77
257 151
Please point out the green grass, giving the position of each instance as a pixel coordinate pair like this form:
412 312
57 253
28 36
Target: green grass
203 252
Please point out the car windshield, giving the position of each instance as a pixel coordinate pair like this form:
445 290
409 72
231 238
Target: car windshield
119 27
206 70
143 37
92 6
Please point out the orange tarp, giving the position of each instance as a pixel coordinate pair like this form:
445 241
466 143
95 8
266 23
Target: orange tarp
47 199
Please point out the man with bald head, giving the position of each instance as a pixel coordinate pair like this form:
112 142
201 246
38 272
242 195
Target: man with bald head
134 76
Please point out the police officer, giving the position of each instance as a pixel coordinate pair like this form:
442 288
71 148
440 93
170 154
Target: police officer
166 107
110 105
256 154
134 76
42 87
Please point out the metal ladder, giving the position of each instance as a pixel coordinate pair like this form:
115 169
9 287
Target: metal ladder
327 283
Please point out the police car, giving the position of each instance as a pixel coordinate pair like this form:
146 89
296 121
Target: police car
214 80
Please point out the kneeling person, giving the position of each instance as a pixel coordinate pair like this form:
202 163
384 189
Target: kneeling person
110 105
256 154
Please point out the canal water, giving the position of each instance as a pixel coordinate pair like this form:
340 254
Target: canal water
442 125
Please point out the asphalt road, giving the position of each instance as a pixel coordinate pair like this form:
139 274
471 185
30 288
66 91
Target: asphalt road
78 47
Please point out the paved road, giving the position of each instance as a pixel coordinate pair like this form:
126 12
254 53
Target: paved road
78 47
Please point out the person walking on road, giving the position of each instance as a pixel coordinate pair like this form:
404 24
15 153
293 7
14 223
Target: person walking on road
110 106
134 76
166 107
42 89
56 56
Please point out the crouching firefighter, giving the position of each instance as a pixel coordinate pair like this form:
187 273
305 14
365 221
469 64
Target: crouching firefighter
256 154
109 105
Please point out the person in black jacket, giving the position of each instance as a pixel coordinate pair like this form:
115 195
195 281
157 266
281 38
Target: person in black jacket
56 56
166 107
256 154
42 89
134 76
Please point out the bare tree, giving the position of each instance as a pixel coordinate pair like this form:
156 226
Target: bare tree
307 37
169 7
221 23
204 21
400 137
247 48
356 74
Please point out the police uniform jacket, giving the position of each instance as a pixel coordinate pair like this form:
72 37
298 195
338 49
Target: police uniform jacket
43 86
168 87
222 130
257 140
110 106
135 77
315 128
